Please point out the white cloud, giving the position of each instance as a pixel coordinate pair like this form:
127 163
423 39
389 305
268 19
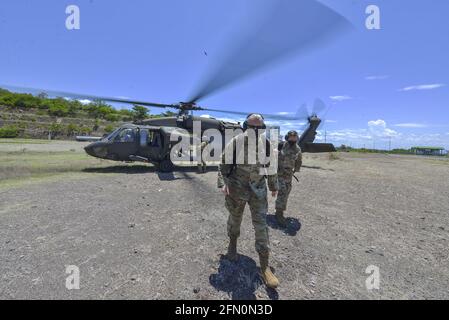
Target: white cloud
411 125
330 121
284 113
382 77
84 101
378 128
340 98
378 135
348 134
423 87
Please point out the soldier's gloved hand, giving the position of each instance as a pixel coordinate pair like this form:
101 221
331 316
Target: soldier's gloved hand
274 193
225 190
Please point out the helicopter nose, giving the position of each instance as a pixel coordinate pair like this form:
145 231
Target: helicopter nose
90 150
97 149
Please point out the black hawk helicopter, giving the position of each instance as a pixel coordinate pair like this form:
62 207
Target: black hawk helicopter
289 27
149 140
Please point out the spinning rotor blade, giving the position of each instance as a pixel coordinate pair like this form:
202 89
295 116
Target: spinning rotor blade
79 96
288 26
318 107
320 110
265 115
303 112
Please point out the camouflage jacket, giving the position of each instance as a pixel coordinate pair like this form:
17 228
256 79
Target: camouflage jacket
289 159
244 179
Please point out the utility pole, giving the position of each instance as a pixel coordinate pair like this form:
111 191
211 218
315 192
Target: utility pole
389 145
325 136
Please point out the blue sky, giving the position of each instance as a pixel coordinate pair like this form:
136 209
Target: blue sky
381 85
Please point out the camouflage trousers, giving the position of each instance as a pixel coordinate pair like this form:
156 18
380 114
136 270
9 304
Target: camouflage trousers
258 208
285 186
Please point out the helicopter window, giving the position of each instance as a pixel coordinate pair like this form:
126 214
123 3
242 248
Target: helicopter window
143 138
112 135
150 137
126 135
153 139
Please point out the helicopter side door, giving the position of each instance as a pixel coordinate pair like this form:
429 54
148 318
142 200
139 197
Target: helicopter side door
150 144
125 143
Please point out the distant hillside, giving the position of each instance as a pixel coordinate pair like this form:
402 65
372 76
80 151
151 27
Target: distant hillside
28 116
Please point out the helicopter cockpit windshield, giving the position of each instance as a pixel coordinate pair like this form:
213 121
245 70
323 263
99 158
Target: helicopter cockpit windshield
110 137
122 135
126 135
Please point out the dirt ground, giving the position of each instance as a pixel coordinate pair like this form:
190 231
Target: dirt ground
135 233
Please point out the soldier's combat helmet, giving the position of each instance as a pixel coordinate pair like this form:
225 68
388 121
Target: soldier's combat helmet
291 133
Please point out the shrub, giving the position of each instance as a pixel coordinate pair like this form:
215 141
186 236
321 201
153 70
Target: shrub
72 129
85 130
113 117
9 132
109 128
56 128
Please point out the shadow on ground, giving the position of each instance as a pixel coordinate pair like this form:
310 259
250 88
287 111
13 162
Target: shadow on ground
316 168
239 279
293 225
178 173
122 169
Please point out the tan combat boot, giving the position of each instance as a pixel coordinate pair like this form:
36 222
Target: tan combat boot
232 250
270 279
280 218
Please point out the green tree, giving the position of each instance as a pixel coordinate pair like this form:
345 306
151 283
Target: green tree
58 110
56 129
140 112
96 125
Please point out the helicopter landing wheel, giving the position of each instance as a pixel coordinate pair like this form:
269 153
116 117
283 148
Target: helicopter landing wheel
166 165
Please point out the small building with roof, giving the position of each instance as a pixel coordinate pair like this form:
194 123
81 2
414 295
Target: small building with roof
428 151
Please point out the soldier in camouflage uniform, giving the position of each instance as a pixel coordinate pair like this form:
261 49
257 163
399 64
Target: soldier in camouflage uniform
289 162
202 166
244 184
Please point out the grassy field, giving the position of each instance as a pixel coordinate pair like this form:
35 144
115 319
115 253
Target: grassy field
24 141
21 167
24 161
